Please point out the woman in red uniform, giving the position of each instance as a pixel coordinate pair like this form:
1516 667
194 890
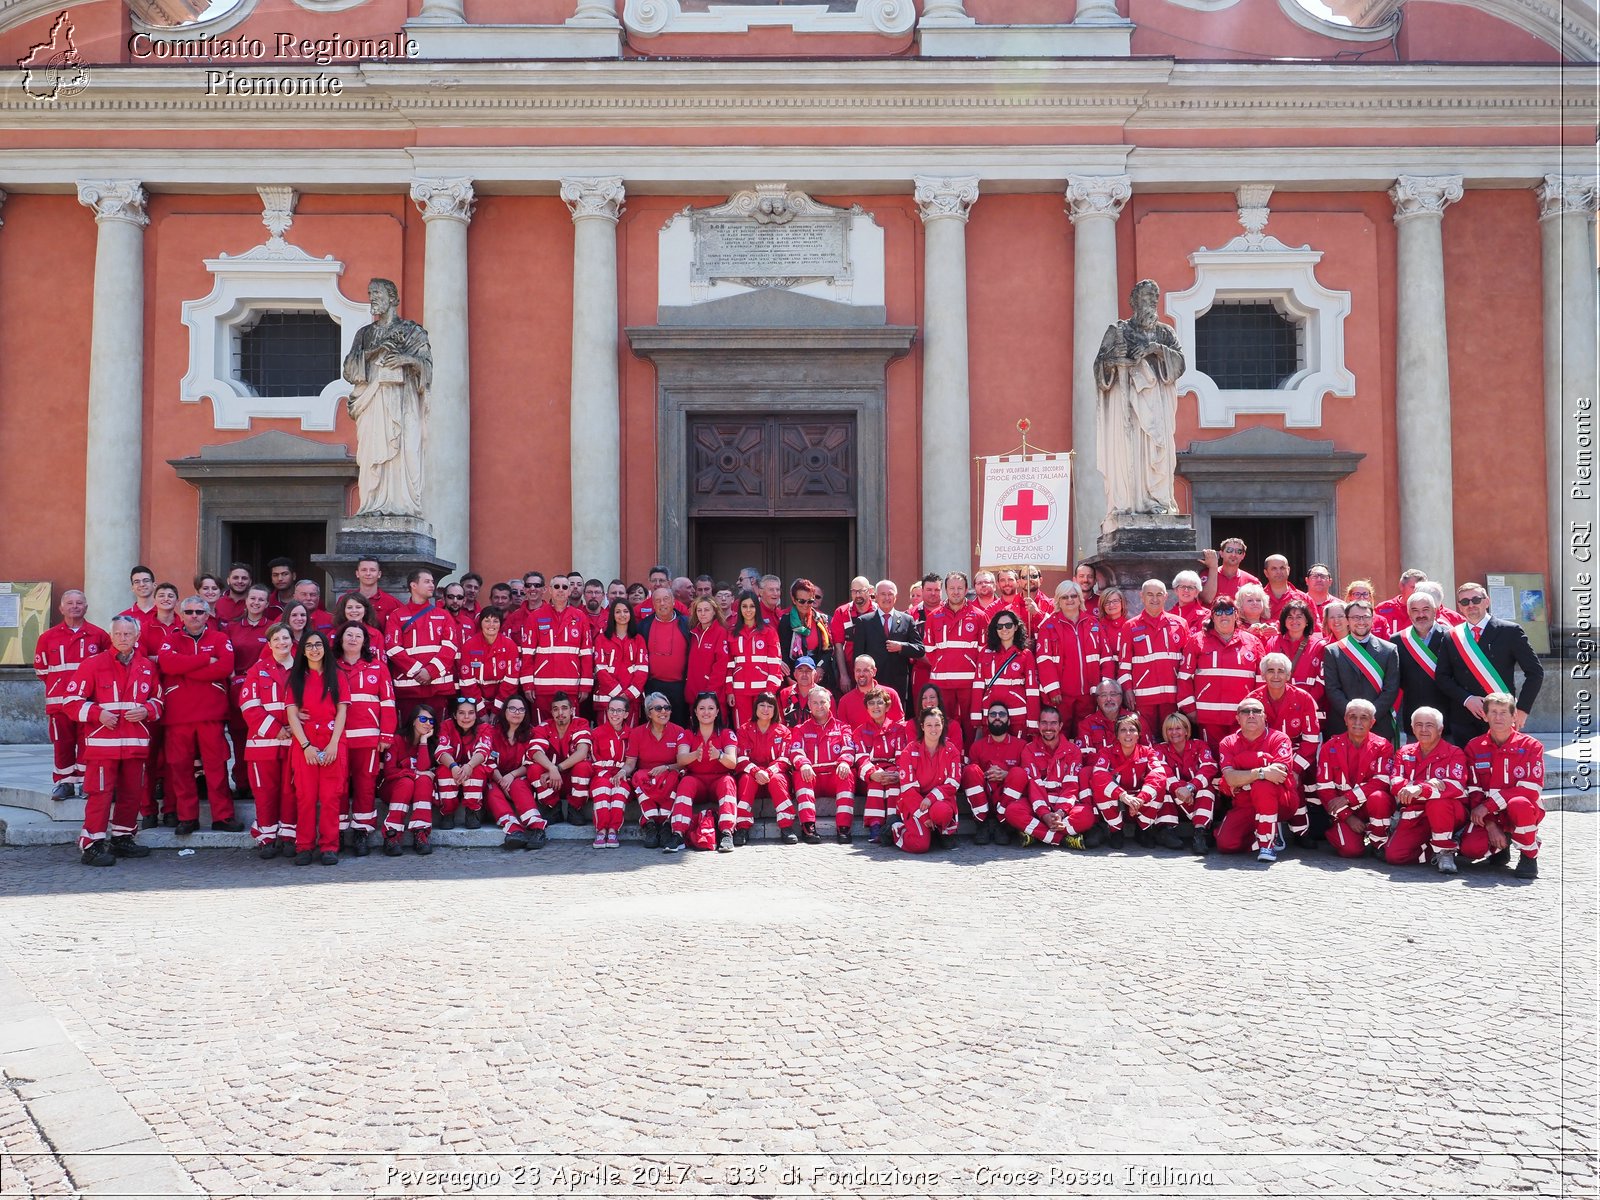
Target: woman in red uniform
298 618
408 766
801 632
755 664
608 786
1297 641
621 662
356 607
1191 777
262 697
766 747
369 690
930 780
1131 775
489 667
652 769
880 741
503 750
929 696
1007 674
319 769
708 755
708 652
458 781
1112 608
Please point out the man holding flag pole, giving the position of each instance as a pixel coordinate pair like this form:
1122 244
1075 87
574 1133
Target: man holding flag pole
1481 656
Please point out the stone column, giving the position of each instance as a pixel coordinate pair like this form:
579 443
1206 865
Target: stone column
441 12
1422 377
599 13
596 425
1093 202
944 12
114 467
1567 234
1098 12
944 202
446 207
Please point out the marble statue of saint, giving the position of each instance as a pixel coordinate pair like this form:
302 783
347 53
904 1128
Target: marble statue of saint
1137 372
391 366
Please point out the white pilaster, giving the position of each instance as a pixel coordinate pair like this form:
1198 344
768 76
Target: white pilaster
1567 236
1422 377
1093 202
944 202
446 207
114 469
441 12
944 12
599 13
1098 12
596 457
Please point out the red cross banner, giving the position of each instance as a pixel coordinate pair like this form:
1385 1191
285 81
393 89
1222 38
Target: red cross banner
1025 511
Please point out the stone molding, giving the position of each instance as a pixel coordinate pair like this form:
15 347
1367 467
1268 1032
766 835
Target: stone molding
115 200
940 196
1424 195
599 197
444 199
1097 196
1560 195
650 18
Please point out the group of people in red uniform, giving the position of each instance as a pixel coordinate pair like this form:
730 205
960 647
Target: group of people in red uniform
1233 716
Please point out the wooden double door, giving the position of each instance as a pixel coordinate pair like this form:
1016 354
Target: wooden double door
777 493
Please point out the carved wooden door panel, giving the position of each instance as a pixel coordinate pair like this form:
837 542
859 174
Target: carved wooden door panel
785 466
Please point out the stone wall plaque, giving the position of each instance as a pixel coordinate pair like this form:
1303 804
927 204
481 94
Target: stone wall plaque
770 237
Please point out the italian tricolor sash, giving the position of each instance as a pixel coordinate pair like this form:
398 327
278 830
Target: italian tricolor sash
1477 662
1418 649
1361 658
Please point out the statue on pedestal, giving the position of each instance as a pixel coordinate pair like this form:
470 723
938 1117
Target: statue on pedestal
1137 372
391 365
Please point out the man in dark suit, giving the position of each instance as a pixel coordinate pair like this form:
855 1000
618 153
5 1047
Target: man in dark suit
1481 656
1361 667
891 638
1421 642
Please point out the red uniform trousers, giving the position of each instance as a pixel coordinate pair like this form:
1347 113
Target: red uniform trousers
318 794
156 772
576 785
748 794
1199 808
410 802
1213 733
1022 813
609 792
113 789
1074 709
1153 715
695 789
981 793
515 810
1257 809
1519 822
915 832
877 799
448 795
655 795
183 743
66 740
1372 803
956 700
269 784
361 800
1432 824
238 735
834 783
407 700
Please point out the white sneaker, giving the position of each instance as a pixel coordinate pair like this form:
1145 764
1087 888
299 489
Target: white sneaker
1267 854
1446 863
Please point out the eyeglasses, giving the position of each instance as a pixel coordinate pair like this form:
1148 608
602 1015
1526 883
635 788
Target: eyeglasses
808 603
659 708
194 612
1223 610
426 720
1006 625
560 587
1472 599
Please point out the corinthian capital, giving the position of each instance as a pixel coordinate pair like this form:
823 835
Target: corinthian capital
594 197
945 195
446 199
1424 195
114 200
1563 194
1097 195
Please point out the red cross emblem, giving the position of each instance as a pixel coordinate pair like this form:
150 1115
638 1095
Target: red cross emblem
1023 512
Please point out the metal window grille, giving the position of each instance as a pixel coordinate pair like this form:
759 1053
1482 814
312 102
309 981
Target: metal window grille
1247 345
289 353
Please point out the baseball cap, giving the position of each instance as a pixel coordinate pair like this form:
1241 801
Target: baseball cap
805 660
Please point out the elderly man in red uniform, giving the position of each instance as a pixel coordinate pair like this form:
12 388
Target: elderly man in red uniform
116 698
1257 766
993 776
1354 771
1054 807
1152 653
1505 781
1430 792
310 594
825 759
419 640
61 649
196 662
1073 656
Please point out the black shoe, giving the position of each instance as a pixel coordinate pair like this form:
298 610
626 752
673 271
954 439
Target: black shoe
1527 868
358 842
304 858
889 830
875 832
650 834
844 835
185 828
1143 837
286 849
474 819
537 839
1199 843
1499 859
330 859
421 844
741 837
1116 839
228 826
515 840
575 815
1002 832
1167 838
241 793
725 844
809 834
62 791
788 836
1095 838
392 847
170 820
98 855
126 847
149 822
673 844
444 820
981 835
268 850
942 841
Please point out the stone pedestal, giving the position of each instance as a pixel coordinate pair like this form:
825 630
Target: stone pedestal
401 544
1134 547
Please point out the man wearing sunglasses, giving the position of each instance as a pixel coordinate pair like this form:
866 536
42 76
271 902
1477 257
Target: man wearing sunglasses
1481 656
557 643
195 661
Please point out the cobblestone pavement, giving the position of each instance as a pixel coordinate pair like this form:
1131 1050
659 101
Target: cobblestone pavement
1105 1020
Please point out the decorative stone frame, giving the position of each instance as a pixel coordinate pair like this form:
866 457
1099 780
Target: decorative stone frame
647 18
1268 473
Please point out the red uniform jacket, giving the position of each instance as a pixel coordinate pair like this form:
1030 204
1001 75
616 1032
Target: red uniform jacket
1151 655
557 651
558 746
263 693
194 675
924 770
708 751
403 759
620 669
986 752
825 747
1095 733
754 664
1058 770
1306 667
607 748
1216 675
1194 614
369 692
1144 771
852 707
152 633
952 641
60 651
878 746
708 661
1296 716
502 754
248 641
1196 767
1344 767
1073 657
490 672
1010 678
765 751
102 684
1501 773
1239 754
418 637
1442 773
